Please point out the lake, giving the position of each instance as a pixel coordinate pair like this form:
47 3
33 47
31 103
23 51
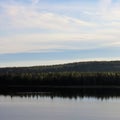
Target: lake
49 106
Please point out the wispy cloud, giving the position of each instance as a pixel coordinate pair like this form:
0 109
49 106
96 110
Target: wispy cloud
51 41
22 17
105 5
42 26
35 1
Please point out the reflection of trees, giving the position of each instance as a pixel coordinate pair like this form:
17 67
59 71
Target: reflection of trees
62 84
71 93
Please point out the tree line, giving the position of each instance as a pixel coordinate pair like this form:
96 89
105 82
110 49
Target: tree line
60 79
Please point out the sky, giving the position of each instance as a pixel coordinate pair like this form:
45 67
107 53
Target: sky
44 32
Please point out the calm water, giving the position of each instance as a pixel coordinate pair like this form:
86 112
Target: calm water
50 107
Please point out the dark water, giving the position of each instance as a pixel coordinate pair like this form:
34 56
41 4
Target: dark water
83 104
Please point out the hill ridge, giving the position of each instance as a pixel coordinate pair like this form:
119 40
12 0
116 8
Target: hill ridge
89 66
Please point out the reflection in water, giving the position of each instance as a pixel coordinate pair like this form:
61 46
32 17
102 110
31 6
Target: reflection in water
51 104
99 93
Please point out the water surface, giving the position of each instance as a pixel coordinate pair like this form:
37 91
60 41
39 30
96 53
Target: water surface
48 106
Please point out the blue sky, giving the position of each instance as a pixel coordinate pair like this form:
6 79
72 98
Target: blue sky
42 32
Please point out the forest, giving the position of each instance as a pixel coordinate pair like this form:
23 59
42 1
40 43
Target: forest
61 79
77 75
